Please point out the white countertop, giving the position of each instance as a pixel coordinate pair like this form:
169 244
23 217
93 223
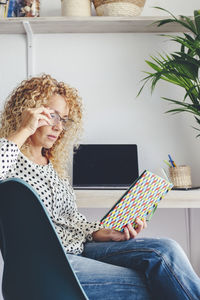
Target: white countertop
107 198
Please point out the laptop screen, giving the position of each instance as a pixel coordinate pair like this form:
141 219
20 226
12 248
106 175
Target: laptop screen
105 165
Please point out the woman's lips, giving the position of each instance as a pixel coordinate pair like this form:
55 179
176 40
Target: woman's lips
52 137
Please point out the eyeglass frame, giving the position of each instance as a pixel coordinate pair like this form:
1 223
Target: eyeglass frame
62 120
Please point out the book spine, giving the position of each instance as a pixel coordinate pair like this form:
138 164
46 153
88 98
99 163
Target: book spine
3 9
6 11
10 8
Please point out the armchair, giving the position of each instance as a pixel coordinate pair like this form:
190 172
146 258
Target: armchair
35 264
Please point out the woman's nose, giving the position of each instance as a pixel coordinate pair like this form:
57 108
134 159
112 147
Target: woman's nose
57 126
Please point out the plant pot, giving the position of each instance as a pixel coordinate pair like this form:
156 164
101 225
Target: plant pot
119 7
181 176
76 8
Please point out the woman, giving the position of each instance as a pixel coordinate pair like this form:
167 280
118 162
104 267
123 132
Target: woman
41 121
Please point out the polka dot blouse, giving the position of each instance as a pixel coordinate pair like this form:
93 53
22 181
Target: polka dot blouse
57 195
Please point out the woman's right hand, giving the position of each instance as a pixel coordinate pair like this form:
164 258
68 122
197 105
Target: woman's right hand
107 234
33 118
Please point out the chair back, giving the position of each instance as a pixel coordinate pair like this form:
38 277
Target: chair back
35 264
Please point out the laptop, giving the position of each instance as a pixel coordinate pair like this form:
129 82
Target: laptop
105 166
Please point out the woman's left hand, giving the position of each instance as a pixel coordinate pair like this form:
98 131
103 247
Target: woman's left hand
105 235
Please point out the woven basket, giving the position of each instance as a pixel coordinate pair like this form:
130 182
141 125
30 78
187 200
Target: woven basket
76 8
119 7
180 176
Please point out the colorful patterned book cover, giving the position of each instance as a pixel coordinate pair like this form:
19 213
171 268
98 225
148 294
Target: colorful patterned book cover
140 200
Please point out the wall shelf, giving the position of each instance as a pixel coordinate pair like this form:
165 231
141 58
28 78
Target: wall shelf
94 24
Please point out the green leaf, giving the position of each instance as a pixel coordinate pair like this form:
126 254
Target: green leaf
188 21
160 8
181 67
188 37
175 110
184 21
197 20
190 93
153 66
198 120
198 135
185 106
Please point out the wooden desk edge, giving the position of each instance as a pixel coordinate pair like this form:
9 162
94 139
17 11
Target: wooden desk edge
107 198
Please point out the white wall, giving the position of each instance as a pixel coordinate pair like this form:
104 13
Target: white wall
107 69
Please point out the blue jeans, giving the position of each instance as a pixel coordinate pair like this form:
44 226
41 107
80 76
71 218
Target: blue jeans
137 269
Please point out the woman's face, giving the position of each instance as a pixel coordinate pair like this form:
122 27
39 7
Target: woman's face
46 136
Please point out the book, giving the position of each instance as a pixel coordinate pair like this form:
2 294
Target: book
3 8
139 201
10 12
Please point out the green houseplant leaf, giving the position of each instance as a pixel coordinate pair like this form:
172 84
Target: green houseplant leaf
181 68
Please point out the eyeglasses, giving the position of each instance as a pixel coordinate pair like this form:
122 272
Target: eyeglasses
56 118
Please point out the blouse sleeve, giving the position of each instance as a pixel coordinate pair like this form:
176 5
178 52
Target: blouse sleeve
85 226
8 156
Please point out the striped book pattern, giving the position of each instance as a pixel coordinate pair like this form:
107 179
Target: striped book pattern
140 201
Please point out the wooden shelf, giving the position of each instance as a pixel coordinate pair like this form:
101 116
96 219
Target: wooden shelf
94 24
107 198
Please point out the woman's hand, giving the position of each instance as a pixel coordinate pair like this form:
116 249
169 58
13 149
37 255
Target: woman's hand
33 118
105 235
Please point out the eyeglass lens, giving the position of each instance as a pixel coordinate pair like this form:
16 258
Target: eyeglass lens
66 123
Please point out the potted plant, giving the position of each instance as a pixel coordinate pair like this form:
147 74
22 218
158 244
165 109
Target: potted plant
181 67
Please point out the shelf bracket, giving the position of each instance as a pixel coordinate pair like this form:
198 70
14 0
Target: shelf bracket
29 43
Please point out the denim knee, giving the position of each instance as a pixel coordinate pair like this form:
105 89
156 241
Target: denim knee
169 244
168 248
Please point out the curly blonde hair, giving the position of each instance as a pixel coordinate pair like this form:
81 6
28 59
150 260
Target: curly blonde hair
33 93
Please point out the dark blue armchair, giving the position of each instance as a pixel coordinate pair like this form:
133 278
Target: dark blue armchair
35 264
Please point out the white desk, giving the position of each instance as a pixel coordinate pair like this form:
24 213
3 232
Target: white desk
174 199
107 198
